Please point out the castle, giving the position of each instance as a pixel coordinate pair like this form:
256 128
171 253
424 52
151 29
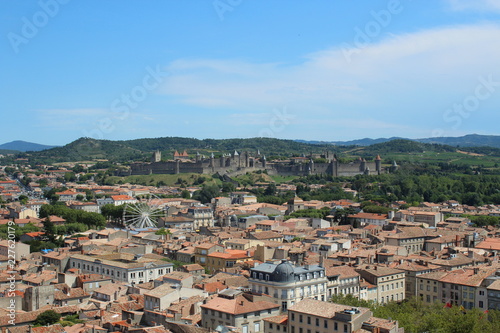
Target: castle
236 164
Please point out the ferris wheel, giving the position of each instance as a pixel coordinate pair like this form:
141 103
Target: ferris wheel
144 213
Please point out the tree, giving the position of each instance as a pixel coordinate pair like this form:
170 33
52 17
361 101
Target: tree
162 231
186 194
228 187
270 189
48 317
207 193
49 228
23 199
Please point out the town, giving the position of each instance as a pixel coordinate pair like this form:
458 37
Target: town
79 256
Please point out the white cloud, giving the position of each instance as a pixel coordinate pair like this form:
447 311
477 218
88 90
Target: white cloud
408 79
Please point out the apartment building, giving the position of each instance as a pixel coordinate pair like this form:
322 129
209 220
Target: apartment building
121 266
390 282
311 315
288 284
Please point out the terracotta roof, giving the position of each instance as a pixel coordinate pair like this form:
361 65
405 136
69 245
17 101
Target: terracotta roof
321 309
280 319
239 305
121 197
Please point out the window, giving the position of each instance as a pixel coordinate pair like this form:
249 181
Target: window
308 320
325 324
271 325
292 316
481 304
317 321
481 292
300 318
227 316
244 329
256 313
335 326
345 328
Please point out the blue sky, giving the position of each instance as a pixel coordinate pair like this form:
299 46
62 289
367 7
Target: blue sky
323 70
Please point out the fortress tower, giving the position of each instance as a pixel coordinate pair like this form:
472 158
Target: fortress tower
156 157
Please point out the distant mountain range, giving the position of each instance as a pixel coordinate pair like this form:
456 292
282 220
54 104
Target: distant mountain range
471 140
88 149
23 146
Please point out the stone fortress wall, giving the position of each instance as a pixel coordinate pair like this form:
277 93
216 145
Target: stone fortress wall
236 163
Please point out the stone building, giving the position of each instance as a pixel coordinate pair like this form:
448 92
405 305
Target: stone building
241 310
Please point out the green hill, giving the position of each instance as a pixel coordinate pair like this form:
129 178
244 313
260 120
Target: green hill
85 149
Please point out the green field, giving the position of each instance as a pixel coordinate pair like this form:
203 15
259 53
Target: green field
167 180
283 179
444 157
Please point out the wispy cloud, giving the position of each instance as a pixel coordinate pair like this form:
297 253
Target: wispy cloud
411 77
478 5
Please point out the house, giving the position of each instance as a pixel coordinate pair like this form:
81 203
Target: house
194 269
122 199
390 282
342 280
235 309
69 195
363 219
64 295
32 236
161 298
21 250
310 315
203 250
266 236
219 261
